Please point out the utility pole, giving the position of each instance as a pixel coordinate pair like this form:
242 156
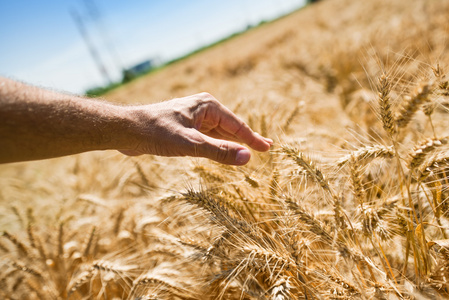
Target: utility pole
92 50
96 16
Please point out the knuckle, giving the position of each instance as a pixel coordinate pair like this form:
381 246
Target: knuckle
194 142
222 152
205 97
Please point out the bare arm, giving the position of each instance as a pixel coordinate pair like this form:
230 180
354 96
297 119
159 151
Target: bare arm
37 124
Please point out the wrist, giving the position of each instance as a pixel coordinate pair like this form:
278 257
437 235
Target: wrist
120 129
135 127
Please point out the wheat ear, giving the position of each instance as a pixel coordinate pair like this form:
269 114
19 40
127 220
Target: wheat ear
252 182
356 181
364 154
308 219
19 245
436 163
112 267
281 289
162 283
412 104
209 175
443 84
83 278
220 212
386 115
22 267
338 281
423 149
306 164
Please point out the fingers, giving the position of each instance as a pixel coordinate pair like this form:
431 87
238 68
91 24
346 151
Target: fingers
222 151
232 128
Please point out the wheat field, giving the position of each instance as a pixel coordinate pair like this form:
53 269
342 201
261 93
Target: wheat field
351 202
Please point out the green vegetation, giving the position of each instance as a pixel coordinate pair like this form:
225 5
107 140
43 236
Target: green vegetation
98 91
101 90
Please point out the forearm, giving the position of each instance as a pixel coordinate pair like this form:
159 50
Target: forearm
36 123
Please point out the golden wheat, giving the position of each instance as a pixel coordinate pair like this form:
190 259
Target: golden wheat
352 202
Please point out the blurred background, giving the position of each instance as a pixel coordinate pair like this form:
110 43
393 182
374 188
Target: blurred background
81 45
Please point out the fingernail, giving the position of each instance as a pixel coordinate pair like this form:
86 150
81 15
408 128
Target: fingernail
242 156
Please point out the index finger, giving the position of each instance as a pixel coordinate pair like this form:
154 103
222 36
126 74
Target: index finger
230 123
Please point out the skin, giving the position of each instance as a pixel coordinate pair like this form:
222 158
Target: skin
38 124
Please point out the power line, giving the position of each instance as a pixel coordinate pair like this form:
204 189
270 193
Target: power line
96 16
92 50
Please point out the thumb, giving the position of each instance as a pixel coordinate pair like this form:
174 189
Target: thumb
224 152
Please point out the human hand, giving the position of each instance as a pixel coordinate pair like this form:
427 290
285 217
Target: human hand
196 125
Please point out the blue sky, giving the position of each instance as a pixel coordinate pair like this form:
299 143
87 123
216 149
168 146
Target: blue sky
40 43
